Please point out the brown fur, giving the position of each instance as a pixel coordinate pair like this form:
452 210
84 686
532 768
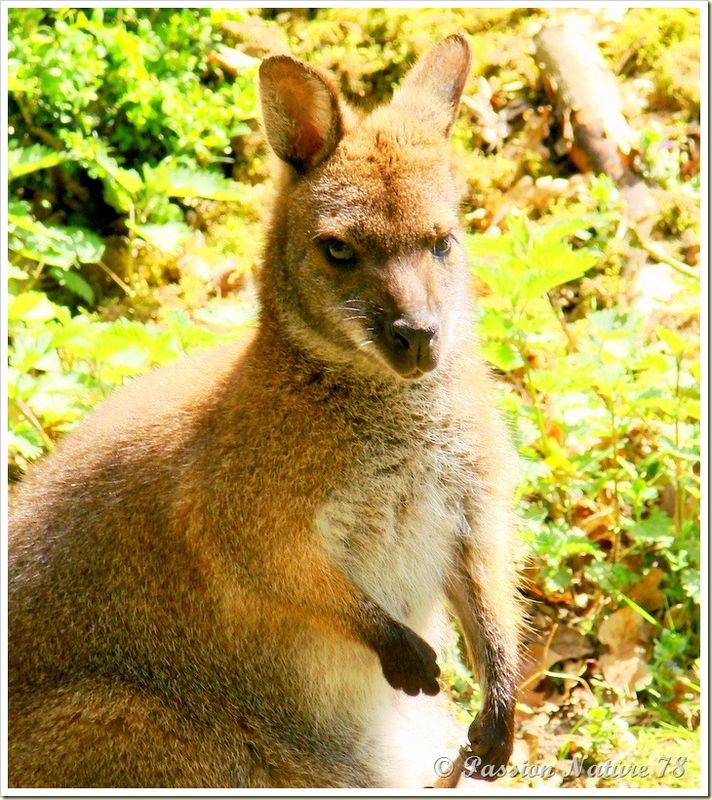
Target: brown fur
215 577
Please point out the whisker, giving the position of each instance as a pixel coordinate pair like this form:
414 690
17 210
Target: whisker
358 304
353 307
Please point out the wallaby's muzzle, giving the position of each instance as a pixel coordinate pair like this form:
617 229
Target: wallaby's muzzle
411 348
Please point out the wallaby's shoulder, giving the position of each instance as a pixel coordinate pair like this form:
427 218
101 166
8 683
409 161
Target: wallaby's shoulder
187 385
153 413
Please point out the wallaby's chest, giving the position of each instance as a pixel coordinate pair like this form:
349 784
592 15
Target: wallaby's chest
391 524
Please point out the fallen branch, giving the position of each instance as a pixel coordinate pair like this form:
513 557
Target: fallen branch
585 96
657 252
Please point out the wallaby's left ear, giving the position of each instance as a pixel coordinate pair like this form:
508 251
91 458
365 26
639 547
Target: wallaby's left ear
432 89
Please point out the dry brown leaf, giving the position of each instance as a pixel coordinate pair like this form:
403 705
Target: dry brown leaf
569 643
531 698
576 668
492 126
646 591
593 521
536 660
630 674
623 630
627 635
565 644
521 753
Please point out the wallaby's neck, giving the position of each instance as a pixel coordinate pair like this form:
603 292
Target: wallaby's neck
295 366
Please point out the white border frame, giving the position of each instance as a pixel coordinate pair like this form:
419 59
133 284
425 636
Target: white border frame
488 789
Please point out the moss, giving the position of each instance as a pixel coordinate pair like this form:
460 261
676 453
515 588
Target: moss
369 50
663 44
679 213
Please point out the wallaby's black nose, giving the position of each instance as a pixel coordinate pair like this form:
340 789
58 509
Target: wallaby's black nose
415 344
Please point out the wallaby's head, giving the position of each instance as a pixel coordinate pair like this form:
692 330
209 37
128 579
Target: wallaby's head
365 261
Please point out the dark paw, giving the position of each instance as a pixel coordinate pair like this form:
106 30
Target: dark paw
409 663
490 746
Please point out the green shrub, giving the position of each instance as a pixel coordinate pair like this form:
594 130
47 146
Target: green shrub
606 416
116 117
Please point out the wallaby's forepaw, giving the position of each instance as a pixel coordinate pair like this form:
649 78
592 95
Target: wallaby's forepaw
490 748
409 663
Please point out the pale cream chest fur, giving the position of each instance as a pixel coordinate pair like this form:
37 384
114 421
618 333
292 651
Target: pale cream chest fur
392 524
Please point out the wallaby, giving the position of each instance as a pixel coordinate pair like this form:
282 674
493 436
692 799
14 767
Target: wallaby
233 572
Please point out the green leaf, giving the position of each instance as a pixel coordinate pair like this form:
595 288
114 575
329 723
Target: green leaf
73 281
88 247
31 307
34 351
16 274
484 244
27 223
503 275
654 364
128 179
26 441
42 250
493 324
558 580
23 160
551 265
581 546
189 334
186 182
166 237
530 260
657 529
227 315
62 247
502 355
120 185
520 231
18 207
638 610
557 230
16 84
690 582
673 340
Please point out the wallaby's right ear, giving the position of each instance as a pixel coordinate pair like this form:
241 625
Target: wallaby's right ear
301 112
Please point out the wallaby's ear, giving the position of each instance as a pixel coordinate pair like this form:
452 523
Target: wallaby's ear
300 107
431 90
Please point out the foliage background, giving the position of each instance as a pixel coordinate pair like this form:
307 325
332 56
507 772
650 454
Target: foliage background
138 182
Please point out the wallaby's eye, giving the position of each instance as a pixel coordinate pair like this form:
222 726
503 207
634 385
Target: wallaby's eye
441 246
339 252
